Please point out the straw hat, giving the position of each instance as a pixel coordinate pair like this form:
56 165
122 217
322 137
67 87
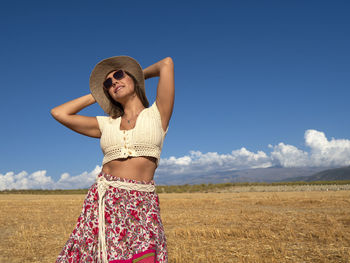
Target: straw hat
106 66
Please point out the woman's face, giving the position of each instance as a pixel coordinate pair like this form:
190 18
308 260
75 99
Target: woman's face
120 88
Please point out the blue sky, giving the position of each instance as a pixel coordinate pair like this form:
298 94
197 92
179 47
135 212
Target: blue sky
257 83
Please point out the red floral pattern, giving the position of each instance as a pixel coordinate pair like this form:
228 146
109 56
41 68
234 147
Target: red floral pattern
133 225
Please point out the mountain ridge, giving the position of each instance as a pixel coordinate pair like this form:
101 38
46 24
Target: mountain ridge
269 174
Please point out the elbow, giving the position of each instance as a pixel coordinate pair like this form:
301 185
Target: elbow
55 113
169 61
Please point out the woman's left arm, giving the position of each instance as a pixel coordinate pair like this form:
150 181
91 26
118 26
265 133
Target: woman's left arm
166 87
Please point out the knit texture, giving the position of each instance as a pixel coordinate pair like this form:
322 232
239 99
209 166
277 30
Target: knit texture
145 139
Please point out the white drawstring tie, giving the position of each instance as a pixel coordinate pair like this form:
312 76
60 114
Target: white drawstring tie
102 186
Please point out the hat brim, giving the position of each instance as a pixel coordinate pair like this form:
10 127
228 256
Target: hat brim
107 65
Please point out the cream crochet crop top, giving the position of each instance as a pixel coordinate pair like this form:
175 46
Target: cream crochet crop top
145 139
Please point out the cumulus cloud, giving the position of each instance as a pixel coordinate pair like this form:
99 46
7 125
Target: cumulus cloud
197 162
84 180
39 180
23 180
288 156
322 153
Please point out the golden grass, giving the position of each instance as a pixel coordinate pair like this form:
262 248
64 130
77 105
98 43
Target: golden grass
200 227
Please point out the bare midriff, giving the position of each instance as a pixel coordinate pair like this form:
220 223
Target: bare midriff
140 168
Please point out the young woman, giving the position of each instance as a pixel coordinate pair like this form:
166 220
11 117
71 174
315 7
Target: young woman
120 220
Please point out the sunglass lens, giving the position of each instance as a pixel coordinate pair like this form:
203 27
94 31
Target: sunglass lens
108 83
118 74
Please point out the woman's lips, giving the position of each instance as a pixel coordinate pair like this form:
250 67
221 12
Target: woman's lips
118 88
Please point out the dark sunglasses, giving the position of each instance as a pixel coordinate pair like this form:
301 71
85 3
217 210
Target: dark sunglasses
117 75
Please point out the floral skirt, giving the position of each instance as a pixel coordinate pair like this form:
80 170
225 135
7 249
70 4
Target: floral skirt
132 227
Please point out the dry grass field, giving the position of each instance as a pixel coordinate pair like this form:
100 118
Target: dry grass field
307 226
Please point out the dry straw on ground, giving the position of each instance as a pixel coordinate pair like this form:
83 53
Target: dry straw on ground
254 227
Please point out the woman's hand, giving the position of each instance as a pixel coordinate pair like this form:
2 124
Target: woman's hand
154 70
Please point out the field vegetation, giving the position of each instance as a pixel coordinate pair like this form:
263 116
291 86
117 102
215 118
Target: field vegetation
225 187
248 226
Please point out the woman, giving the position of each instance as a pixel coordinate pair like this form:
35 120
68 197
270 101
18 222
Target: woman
120 219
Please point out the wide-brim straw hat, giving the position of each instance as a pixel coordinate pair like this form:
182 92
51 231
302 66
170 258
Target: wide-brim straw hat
106 66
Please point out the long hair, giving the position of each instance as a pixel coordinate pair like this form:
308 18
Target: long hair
117 109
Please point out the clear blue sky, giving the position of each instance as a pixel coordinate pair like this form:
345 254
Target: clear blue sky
247 74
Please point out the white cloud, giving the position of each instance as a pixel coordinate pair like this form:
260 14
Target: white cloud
289 156
39 180
323 153
84 180
197 162
23 180
335 152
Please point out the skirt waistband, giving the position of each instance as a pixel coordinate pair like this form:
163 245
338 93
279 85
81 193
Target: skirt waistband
102 182
110 177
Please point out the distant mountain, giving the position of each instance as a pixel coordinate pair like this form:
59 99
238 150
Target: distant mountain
342 173
271 174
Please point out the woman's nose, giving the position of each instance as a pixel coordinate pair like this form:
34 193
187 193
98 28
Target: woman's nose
114 82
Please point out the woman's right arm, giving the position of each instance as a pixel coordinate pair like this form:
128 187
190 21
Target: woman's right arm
66 114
